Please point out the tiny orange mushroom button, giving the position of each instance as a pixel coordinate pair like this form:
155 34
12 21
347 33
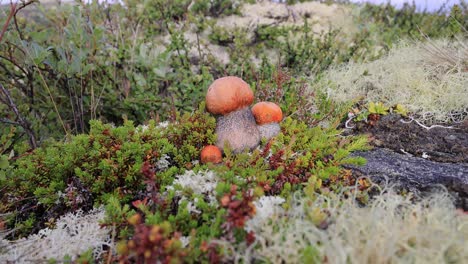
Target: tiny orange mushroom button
211 154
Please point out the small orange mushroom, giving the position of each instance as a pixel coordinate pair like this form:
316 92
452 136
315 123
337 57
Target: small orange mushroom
267 115
211 154
267 112
227 94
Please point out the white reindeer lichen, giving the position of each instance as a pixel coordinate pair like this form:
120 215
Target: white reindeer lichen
74 234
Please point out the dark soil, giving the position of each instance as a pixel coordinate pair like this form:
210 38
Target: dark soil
436 144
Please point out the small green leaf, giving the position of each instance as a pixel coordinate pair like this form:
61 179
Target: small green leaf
2 176
400 109
377 108
4 162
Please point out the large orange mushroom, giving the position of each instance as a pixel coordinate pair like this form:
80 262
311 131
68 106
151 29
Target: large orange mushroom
230 98
211 154
228 94
267 115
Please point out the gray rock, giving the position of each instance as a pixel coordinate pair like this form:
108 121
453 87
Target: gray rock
415 174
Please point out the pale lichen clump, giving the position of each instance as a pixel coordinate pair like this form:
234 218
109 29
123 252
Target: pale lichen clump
429 78
202 183
74 234
390 229
267 207
163 163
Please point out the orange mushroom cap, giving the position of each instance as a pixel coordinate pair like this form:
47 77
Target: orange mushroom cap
267 112
227 94
211 154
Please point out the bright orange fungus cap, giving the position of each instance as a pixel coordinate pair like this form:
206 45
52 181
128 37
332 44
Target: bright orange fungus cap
267 112
228 94
211 154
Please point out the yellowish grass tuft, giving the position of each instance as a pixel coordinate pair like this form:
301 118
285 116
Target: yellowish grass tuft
429 78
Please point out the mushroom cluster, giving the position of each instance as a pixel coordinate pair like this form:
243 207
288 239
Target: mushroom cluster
237 126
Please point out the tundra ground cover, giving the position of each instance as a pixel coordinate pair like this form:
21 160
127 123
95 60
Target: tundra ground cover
85 91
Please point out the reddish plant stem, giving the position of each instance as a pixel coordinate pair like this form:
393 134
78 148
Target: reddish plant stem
5 26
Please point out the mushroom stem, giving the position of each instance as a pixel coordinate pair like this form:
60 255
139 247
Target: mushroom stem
269 130
238 129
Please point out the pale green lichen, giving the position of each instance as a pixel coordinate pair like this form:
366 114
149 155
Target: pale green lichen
391 229
74 234
429 78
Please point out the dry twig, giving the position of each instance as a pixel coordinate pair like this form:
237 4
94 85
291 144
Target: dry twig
8 100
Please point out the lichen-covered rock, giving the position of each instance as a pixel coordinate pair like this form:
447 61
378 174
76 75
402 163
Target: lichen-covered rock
238 129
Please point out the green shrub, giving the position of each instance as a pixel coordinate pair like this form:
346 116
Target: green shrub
126 165
388 25
80 64
108 161
216 8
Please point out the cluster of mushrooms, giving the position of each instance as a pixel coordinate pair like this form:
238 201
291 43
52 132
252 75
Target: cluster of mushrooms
237 125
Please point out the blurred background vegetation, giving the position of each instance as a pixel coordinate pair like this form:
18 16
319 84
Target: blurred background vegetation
64 64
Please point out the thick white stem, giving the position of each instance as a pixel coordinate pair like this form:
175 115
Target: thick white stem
237 129
269 130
